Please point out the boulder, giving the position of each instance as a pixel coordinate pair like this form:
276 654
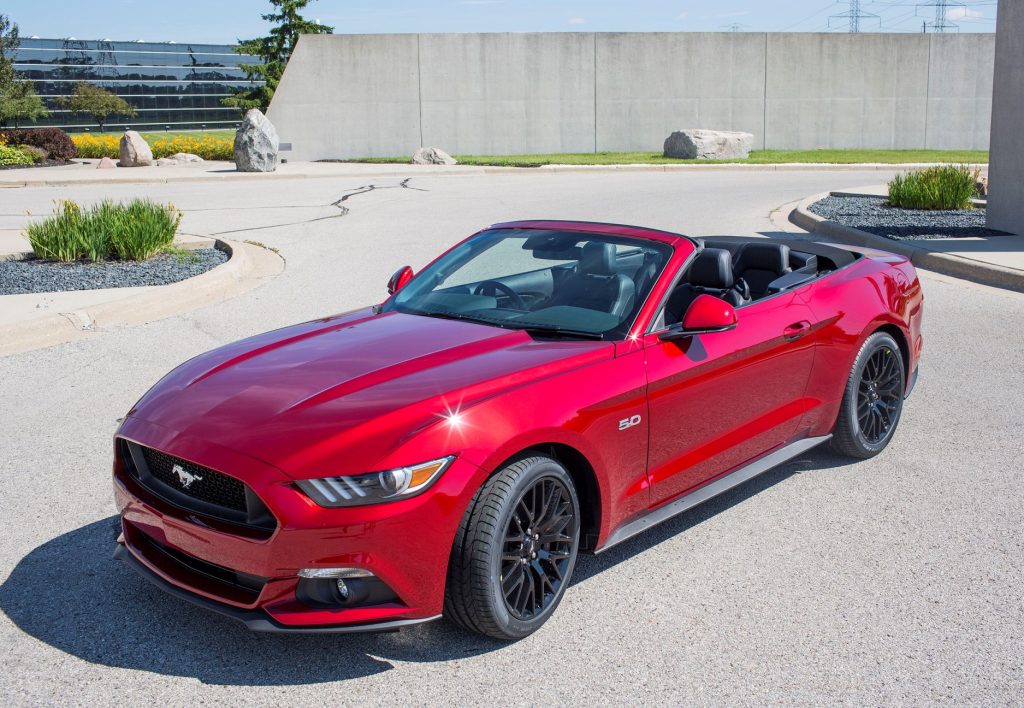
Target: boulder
178 158
698 144
135 151
256 144
433 156
105 163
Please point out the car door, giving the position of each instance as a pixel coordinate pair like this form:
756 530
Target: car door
717 400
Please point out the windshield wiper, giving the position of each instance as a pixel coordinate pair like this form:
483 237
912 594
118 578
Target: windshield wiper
443 315
560 332
538 330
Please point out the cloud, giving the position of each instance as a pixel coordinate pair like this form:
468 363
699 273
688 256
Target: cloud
741 13
962 13
577 21
482 2
683 15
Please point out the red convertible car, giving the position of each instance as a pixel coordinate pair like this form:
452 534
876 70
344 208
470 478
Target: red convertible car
541 389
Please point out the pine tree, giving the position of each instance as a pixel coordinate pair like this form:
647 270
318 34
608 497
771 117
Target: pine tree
275 50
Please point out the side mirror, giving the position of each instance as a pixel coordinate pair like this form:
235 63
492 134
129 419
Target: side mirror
705 315
399 280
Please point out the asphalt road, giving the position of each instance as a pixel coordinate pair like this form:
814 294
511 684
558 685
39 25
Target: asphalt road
895 580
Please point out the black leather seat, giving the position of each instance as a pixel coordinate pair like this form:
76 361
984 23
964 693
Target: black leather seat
761 263
710 274
595 285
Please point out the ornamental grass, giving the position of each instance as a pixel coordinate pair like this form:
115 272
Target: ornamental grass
135 231
939 187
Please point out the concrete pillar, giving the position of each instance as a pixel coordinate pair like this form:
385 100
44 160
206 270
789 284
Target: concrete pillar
1006 162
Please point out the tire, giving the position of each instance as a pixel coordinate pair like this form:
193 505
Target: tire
873 399
491 544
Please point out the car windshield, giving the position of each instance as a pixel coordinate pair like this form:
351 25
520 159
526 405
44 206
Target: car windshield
560 284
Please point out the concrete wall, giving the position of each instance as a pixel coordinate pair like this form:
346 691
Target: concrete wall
385 95
1006 161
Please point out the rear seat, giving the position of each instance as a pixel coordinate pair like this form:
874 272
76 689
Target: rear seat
759 264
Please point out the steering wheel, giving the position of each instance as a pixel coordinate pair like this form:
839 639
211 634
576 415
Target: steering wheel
489 287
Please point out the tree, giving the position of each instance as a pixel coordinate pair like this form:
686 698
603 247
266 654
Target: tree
98 103
9 43
20 103
18 99
274 50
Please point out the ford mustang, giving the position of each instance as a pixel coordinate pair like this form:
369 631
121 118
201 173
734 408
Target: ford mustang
542 389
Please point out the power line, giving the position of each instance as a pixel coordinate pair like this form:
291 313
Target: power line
942 23
809 17
854 16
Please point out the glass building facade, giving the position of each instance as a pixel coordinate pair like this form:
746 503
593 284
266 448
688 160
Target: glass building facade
172 86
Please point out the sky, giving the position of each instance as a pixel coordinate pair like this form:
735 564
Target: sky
225 21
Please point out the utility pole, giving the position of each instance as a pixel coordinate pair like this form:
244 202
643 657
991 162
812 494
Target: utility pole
941 23
854 16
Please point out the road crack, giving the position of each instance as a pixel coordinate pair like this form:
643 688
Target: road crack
338 204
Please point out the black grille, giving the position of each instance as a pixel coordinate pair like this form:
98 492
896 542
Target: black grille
196 489
209 485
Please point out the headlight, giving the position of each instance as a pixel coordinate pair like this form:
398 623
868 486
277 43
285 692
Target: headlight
375 487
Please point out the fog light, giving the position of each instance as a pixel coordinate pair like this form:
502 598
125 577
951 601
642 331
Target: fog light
335 573
343 590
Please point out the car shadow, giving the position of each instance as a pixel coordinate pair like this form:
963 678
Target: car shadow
72 595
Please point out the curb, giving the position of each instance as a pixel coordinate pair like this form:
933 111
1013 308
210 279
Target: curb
945 263
248 267
475 170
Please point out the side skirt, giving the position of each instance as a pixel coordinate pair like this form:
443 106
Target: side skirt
708 491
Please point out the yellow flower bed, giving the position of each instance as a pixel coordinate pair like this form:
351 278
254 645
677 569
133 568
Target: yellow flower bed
208 147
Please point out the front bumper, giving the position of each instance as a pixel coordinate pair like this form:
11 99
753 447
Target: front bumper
254 577
256 620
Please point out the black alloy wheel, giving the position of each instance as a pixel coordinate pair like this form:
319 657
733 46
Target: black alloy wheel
873 399
538 548
880 394
514 550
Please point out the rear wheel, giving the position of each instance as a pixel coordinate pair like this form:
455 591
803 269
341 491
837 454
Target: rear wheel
515 550
873 400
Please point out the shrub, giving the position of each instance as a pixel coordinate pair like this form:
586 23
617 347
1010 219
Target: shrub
134 231
54 141
11 155
939 187
33 153
96 146
208 147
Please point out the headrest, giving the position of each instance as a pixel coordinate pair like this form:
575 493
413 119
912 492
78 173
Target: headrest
773 257
712 268
598 259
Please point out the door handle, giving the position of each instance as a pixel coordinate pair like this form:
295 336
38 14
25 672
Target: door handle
796 330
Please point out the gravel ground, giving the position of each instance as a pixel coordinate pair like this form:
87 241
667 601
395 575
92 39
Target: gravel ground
35 276
872 215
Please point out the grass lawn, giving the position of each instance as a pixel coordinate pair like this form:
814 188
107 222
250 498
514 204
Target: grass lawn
170 134
757 157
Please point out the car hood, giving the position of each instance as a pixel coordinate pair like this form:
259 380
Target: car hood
360 383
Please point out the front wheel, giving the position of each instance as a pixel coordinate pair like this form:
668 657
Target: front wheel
873 400
515 550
